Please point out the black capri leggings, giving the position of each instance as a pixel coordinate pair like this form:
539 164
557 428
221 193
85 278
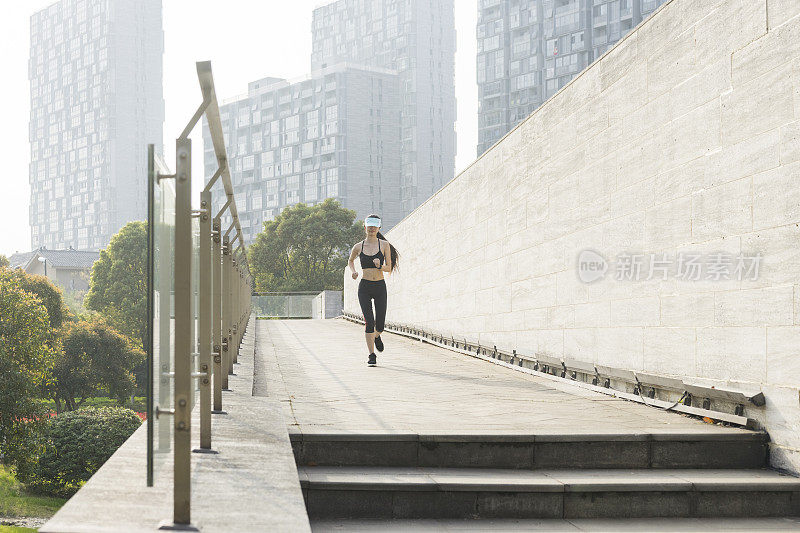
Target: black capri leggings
372 290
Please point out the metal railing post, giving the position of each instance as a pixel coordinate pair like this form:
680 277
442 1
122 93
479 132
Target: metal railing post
183 341
204 320
226 310
237 295
242 300
151 180
216 311
245 301
233 340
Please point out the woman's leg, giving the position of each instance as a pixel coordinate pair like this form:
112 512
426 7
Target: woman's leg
365 300
380 307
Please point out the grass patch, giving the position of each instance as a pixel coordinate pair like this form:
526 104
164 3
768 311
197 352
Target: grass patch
15 529
283 318
14 501
139 403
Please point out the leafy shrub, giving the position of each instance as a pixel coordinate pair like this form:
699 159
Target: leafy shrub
74 446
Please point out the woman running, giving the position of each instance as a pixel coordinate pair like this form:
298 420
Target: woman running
372 285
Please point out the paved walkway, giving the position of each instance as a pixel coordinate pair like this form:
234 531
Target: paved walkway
317 368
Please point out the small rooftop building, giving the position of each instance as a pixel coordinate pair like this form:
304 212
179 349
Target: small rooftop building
70 269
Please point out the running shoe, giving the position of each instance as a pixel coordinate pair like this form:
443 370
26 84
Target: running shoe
373 360
379 344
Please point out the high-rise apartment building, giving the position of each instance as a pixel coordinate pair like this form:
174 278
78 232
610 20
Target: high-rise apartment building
415 38
333 134
529 49
96 102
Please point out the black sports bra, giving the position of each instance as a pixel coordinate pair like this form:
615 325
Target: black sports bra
367 260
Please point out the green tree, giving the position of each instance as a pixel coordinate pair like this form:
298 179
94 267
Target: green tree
26 356
118 284
4 261
49 295
95 358
304 248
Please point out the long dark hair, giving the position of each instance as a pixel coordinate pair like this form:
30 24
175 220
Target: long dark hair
393 251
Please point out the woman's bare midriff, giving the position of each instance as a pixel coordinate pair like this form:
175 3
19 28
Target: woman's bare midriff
372 274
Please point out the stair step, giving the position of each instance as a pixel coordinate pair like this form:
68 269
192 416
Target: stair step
369 492
720 448
663 525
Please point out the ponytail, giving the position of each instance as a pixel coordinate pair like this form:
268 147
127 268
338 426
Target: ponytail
393 251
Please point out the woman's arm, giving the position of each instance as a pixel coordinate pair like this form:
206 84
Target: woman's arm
353 255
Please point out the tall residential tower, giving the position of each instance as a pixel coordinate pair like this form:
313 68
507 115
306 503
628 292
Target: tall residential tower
96 102
529 49
415 38
332 134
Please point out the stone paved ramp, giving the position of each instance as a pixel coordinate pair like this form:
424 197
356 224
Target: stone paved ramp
433 440
318 369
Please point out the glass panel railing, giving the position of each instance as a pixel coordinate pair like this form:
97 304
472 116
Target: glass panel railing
283 304
161 236
195 346
179 379
300 305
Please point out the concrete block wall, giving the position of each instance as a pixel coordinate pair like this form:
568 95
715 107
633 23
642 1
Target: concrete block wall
684 137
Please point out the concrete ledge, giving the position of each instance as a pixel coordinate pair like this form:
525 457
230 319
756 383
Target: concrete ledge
593 437
506 438
352 435
475 493
717 435
677 449
672 525
722 434
500 480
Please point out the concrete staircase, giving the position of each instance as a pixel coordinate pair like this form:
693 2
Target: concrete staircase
395 475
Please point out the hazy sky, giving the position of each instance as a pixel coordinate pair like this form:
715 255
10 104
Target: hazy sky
244 40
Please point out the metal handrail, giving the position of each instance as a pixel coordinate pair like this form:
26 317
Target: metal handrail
224 306
206 78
